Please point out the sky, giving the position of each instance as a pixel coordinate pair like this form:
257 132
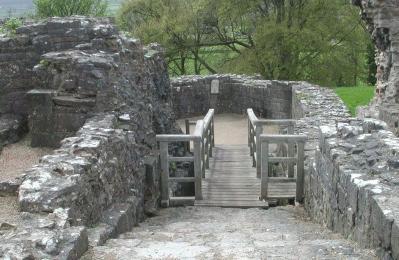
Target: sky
21 7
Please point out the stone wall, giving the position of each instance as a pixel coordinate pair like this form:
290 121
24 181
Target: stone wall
352 170
110 95
382 19
21 52
194 95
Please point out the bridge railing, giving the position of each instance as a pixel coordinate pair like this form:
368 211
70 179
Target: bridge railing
298 159
203 139
255 130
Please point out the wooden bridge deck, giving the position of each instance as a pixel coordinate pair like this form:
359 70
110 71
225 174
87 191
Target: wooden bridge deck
231 180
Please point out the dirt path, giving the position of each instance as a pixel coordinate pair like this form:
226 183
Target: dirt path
229 128
217 233
16 158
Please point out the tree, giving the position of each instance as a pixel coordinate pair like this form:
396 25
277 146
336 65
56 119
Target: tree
62 8
320 41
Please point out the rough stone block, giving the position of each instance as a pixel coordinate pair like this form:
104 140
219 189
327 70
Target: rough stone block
395 240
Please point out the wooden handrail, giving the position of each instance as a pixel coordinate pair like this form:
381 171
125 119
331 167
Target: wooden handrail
283 138
255 129
259 149
203 139
265 141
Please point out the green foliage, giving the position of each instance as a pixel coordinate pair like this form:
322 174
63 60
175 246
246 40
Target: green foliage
321 41
10 26
62 8
355 96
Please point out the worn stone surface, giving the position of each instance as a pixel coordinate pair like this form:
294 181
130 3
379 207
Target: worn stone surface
216 233
32 236
193 96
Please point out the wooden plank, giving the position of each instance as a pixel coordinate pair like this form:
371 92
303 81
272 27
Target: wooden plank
233 199
197 169
230 195
181 159
233 204
164 154
174 138
291 153
181 179
264 169
181 201
282 138
283 159
300 173
276 180
291 196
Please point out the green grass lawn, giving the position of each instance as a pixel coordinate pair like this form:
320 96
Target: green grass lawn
355 96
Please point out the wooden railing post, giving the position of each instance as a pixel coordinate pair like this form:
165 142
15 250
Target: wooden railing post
203 157
249 134
291 152
259 131
252 141
198 168
164 154
213 131
187 144
208 148
300 178
264 168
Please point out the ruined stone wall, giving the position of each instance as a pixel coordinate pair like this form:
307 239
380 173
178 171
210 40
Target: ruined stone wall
382 19
351 181
104 178
63 71
194 95
21 52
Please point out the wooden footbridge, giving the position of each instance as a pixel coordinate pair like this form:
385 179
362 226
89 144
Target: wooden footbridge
270 168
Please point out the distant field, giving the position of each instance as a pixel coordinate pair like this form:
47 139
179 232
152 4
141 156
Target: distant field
355 96
25 7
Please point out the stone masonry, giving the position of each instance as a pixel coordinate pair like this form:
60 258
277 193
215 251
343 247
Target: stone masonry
352 170
80 78
351 181
194 95
382 19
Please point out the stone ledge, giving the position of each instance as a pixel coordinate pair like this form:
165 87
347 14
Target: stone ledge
118 219
352 184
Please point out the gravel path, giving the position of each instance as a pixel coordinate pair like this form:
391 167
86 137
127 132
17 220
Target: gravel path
9 212
16 158
217 233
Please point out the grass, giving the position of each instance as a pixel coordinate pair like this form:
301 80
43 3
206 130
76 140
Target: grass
355 96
